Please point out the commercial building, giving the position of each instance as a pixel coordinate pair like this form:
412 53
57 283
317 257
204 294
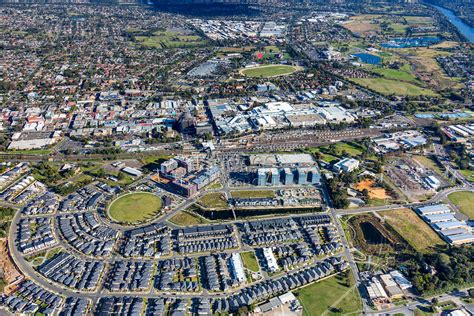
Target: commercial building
346 165
391 287
288 176
132 171
181 176
376 292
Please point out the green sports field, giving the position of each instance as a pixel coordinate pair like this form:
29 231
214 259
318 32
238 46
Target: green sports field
335 295
134 207
268 71
464 201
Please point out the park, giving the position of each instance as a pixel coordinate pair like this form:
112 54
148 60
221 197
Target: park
134 207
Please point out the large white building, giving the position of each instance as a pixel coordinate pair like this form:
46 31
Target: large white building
237 267
346 165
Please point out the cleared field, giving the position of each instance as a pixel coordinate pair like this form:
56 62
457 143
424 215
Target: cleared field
167 39
253 194
418 19
363 24
250 261
134 207
336 295
429 163
412 228
446 44
374 192
213 200
389 87
187 219
464 202
268 71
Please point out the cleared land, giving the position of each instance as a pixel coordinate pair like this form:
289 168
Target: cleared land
464 201
187 219
253 194
412 228
362 24
336 295
428 162
213 200
134 207
268 71
250 261
167 39
374 192
389 87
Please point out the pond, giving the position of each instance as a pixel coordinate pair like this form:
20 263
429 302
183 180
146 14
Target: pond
372 235
368 58
406 42
249 213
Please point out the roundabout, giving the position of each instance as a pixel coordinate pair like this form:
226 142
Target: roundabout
134 208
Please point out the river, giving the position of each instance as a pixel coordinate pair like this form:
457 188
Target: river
462 27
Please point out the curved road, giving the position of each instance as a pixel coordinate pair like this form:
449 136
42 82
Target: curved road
32 274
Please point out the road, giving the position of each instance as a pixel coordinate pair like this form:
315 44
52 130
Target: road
30 272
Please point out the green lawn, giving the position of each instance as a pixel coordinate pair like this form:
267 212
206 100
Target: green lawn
351 149
250 261
468 174
396 74
213 200
30 152
378 202
134 207
389 87
267 71
464 201
337 295
217 185
187 219
253 194
324 157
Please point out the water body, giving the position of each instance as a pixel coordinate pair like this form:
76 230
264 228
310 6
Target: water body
406 42
372 235
463 28
368 58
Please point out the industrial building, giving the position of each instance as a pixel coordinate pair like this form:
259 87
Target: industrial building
442 220
288 176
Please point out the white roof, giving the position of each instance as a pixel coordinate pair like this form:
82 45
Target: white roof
287 297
